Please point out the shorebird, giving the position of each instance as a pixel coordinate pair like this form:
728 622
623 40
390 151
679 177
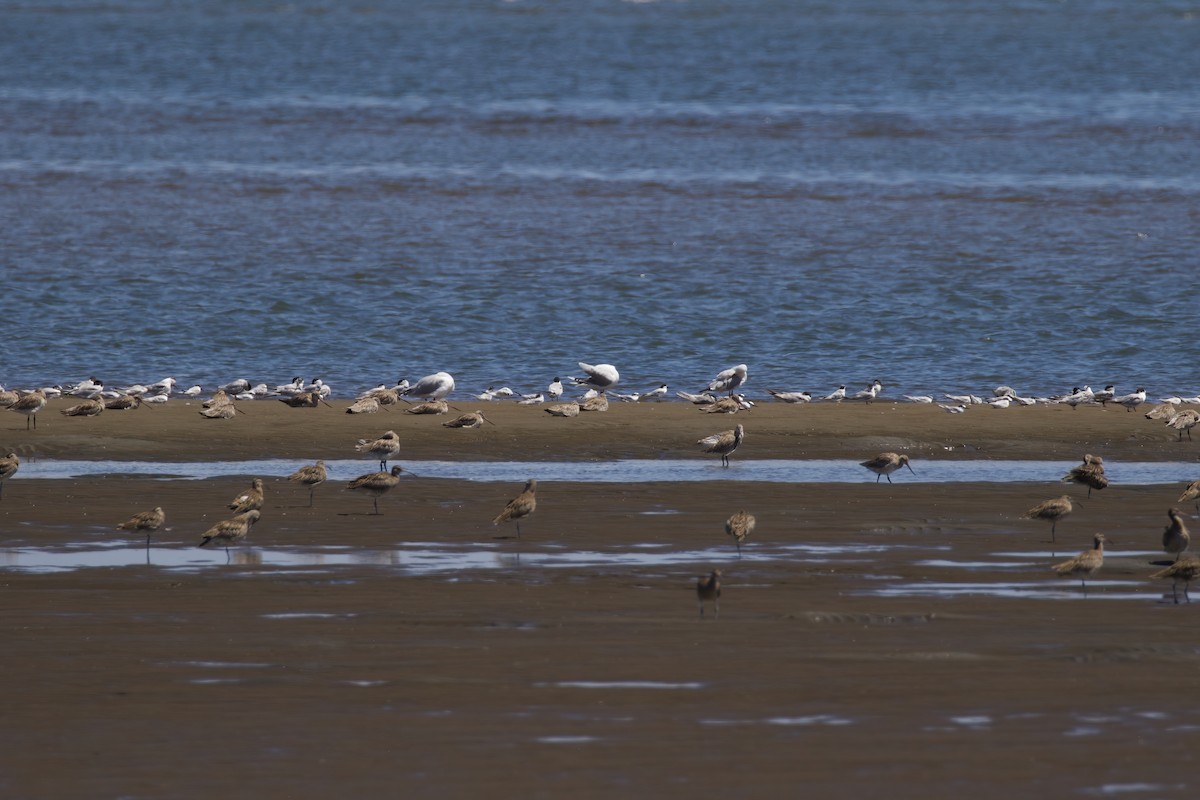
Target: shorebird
1162 411
709 588
226 411
837 395
563 410
30 404
88 408
790 397
474 419
1184 421
522 505
1085 564
363 405
311 476
304 400
89 388
868 394
1175 538
884 464
8 467
232 530
958 409
1131 400
728 380
220 398
148 521
535 399
726 405
924 399
656 394
194 391
432 387
429 407
1079 397
1185 570
697 399
600 376
739 526
555 389
1052 510
597 403
1192 492
236 386
376 483
723 443
249 500
1104 395
7 398
125 402
1090 474
385 447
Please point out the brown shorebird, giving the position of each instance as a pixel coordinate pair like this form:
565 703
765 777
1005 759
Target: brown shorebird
7 397
363 405
220 398
1053 510
1192 492
304 400
29 405
723 443
226 411
1085 564
232 530
249 500
739 526
709 588
376 483
726 405
86 408
1184 421
8 467
474 419
1175 538
123 402
1185 570
884 464
429 407
563 410
1090 474
311 476
148 521
597 403
1163 411
522 505
385 447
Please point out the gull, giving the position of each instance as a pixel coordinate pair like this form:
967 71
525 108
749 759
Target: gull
148 521
1052 510
231 530
739 526
919 398
1175 538
709 588
555 389
1131 400
429 407
432 387
837 395
474 419
958 409
723 443
29 405
1184 421
656 394
600 376
1186 570
698 399
250 500
385 447
868 394
8 467
728 380
1085 564
520 506
790 397
884 464
376 483
311 476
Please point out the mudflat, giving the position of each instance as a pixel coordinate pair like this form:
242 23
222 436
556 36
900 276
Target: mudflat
907 639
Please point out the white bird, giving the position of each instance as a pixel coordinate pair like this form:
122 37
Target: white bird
531 399
965 399
1079 397
790 397
486 395
656 394
600 376
1131 400
555 389
194 390
698 399
1105 394
89 388
503 391
837 395
868 394
952 409
319 386
728 380
295 387
627 398
432 387
237 386
919 398
157 399
1000 402
1003 391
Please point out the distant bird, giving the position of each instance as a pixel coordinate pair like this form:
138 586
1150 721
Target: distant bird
376 483
728 380
924 399
249 500
532 399
1184 421
555 389
148 521
1004 391
1192 492
790 397
432 387
304 400
1162 411
232 530
363 405
194 391
226 411
1132 400
311 476
1185 570
7 398
701 399
563 410
1079 397
837 395
884 464
90 388
656 394
385 447
739 526
868 394
520 506
600 376
8 467
597 403
1175 538
1052 510
709 588
487 395
87 408
430 407
126 402
1000 402
1085 564
1090 474
1104 395
474 419
726 405
236 386
723 443
958 409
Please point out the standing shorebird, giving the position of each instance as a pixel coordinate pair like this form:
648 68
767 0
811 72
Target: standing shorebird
229 531
30 404
474 419
522 505
1186 570
311 476
8 467
1184 421
1131 400
868 394
1090 474
836 396
249 500
739 526
1085 564
148 521
1192 492
709 588
1053 510
385 447
377 483
723 443
1175 538
728 380
884 464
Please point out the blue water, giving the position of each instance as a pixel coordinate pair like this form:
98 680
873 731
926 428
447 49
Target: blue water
943 195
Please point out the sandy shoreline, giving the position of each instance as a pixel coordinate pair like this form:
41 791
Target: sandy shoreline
908 639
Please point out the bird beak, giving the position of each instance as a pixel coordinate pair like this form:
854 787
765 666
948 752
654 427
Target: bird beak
910 469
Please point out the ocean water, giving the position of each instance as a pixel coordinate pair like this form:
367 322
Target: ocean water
941 195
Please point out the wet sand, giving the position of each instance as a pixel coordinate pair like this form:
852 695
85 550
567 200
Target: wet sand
907 639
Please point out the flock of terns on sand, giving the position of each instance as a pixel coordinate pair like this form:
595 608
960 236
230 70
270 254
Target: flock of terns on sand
599 382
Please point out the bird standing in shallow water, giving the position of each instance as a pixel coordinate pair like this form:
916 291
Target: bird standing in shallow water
1186 570
230 530
1053 510
1089 474
385 447
1192 492
1085 564
884 464
377 483
8 467
148 521
1175 538
311 476
249 500
723 443
520 506
739 526
709 588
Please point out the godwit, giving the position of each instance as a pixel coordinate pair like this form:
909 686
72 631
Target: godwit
1184 421
709 588
739 526
429 407
728 380
377 483
1162 411
125 402
7 398
726 405
600 376
1053 510
1175 538
249 500
597 403
8 467
723 443
522 505
474 419
1085 564
30 404
1131 400
563 410
220 398
432 387
228 531
1185 570
1090 474
884 464
148 521
363 405
226 411
304 400
1192 492
88 408
311 476
385 447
